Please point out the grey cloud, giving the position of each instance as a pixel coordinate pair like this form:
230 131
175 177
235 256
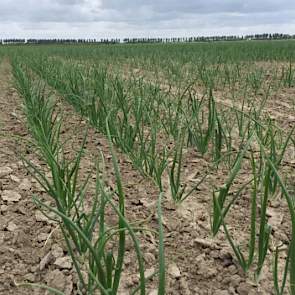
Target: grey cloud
69 2
154 13
201 6
43 11
145 17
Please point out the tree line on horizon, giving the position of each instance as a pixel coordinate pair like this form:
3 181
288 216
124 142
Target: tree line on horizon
265 36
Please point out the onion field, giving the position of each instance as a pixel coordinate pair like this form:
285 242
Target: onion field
148 168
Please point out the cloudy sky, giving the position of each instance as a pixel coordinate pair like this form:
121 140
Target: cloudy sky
143 18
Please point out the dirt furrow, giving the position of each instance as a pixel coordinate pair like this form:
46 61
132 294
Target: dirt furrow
23 230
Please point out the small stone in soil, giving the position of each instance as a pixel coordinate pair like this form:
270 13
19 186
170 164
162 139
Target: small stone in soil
14 178
57 251
63 263
3 208
56 279
149 272
244 288
29 277
10 196
25 185
221 292
149 258
235 280
174 271
47 259
11 226
42 237
42 218
4 171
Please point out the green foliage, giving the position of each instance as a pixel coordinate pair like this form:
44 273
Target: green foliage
86 233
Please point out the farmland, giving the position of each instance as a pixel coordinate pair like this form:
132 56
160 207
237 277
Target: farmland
148 168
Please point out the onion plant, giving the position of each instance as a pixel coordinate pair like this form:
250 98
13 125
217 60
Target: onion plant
220 206
290 201
288 75
87 235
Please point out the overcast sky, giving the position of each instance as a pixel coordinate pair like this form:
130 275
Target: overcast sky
143 18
